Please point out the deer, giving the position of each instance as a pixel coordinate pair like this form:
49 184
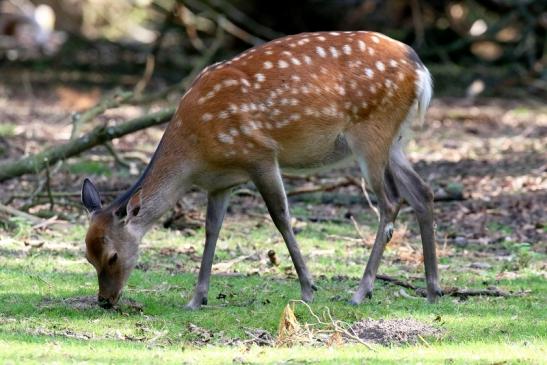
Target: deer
300 102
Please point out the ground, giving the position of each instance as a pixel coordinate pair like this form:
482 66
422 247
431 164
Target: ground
486 161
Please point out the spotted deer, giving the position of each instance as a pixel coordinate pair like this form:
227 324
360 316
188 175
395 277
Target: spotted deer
299 102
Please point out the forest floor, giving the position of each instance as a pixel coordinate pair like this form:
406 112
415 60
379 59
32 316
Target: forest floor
486 159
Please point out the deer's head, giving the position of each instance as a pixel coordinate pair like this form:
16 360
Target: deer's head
111 242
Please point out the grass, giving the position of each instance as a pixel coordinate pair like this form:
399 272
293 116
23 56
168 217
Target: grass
36 327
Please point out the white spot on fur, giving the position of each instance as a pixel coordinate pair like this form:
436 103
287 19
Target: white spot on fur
380 66
282 64
334 33
225 138
268 65
295 61
207 117
232 108
308 60
260 77
362 45
245 82
223 115
369 73
295 78
333 52
321 38
393 63
347 49
375 39
321 51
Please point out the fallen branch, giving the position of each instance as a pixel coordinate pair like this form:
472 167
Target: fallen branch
318 188
17 213
97 136
452 291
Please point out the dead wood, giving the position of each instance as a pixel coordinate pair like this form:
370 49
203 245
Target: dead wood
98 136
452 291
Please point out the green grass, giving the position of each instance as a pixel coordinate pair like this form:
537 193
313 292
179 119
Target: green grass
35 327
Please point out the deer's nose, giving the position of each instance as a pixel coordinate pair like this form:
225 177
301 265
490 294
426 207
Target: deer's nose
104 302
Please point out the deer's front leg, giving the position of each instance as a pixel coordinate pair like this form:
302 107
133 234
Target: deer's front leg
216 209
269 184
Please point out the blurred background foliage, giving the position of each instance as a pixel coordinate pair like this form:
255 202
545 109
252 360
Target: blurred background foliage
473 47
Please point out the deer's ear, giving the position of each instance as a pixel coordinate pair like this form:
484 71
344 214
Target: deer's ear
90 196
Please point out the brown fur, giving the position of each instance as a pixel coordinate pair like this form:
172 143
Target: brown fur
307 104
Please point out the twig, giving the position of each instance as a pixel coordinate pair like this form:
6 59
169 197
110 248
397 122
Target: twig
223 22
151 57
240 17
396 281
361 183
453 292
337 325
115 155
318 188
48 186
359 232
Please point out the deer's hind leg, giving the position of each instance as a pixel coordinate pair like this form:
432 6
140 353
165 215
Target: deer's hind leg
372 154
416 192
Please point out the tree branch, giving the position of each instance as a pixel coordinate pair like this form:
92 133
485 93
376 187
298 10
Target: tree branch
97 136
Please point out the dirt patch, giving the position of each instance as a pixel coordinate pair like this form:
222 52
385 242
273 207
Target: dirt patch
393 331
90 302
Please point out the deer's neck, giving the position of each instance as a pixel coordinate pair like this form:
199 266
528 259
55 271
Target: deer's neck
159 187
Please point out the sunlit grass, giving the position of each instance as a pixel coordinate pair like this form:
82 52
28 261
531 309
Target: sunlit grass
36 327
